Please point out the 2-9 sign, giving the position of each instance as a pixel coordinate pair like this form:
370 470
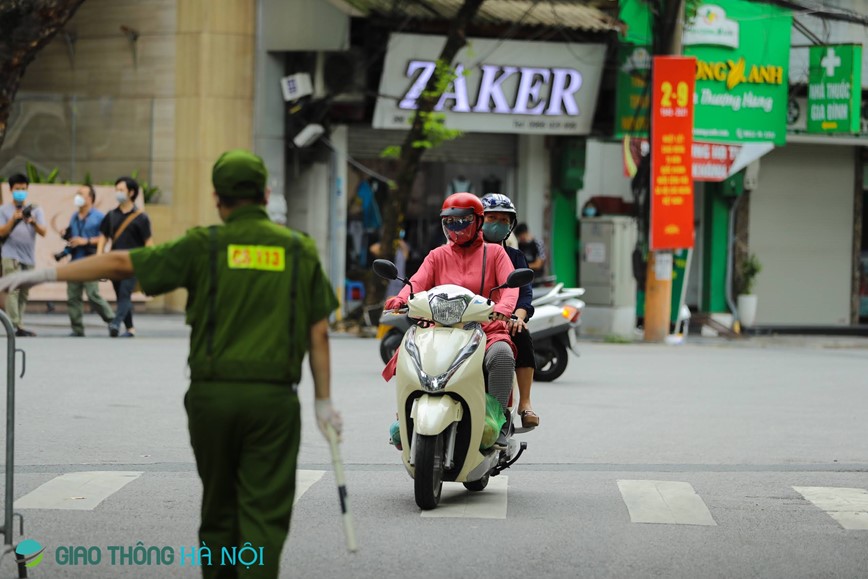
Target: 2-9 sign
682 94
671 153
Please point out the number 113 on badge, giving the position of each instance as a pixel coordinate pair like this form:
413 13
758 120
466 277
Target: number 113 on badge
672 152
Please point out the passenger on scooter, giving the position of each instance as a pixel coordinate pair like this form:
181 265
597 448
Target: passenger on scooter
500 220
466 260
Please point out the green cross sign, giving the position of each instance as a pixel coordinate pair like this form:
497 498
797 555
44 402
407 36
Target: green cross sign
834 88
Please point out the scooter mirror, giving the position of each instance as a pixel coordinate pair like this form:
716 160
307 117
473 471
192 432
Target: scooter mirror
385 269
520 277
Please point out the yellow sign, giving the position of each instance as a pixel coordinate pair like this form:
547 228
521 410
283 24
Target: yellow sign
735 73
261 257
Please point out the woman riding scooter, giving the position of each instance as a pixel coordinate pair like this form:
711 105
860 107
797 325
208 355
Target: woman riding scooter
466 260
500 220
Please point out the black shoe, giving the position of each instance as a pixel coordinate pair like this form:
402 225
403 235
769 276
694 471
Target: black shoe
76 335
505 432
22 333
113 331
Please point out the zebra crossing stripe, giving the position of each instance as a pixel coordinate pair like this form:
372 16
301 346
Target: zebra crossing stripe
458 502
664 502
304 479
77 491
847 506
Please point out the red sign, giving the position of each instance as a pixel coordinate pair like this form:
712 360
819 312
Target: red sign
712 162
672 152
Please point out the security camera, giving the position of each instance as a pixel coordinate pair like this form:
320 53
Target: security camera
308 136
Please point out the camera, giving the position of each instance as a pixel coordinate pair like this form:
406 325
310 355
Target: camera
65 235
27 212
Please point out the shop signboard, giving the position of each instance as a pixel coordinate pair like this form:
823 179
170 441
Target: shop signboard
742 52
712 162
633 94
499 86
671 153
834 88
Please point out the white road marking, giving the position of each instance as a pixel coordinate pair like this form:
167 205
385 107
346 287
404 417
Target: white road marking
77 491
847 506
666 502
458 502
304 479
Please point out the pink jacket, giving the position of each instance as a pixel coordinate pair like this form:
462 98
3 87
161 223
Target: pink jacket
463 266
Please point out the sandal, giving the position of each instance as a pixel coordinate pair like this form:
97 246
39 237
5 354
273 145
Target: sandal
529 419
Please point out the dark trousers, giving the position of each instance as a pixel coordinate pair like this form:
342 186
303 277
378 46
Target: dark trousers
124 292
245 438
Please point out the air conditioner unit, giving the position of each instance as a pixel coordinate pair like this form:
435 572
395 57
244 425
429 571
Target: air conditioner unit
797 114
342 75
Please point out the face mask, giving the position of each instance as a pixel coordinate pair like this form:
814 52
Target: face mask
460 230
495 232
120 196
590 211
19 196
78 201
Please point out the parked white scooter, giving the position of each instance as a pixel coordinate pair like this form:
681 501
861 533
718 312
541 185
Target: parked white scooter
555 328
441 389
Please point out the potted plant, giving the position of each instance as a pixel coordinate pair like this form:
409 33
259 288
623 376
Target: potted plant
747 301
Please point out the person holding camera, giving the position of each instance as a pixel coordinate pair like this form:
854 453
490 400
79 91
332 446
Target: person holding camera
127 227
19 224
82 238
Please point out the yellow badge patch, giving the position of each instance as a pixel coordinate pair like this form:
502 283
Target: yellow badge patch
261 257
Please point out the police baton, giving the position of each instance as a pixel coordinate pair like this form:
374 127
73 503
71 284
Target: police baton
349 528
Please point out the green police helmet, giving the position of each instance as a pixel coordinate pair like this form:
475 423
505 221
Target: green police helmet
239 173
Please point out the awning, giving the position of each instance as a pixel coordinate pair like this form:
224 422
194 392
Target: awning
530 13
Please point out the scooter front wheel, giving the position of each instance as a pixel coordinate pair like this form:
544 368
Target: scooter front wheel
428 478
477 485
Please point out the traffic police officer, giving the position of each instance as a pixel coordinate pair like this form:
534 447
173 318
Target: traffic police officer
258 301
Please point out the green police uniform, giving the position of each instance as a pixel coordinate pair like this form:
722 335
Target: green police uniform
255 289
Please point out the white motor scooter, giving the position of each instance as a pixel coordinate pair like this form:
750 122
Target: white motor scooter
441 389
555 329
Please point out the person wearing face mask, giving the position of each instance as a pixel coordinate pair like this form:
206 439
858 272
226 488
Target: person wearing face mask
500 220
466 260
126 227
259 301
19 225
84 236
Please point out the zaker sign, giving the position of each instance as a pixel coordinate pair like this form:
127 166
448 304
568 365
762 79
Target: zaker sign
499 87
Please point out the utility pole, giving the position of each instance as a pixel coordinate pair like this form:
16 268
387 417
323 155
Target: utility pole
658 280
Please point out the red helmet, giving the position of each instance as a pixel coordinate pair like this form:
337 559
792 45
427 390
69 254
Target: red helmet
461 216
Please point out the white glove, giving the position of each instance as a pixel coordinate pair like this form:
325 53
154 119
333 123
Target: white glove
27 279
326 415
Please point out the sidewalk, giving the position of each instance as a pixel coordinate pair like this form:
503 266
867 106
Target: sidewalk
150 325
56 325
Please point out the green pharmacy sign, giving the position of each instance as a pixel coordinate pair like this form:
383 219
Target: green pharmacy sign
742 52
834 88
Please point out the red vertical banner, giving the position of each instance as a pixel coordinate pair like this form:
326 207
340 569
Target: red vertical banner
671 153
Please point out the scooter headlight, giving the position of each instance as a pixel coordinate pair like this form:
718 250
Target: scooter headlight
436 383
447 311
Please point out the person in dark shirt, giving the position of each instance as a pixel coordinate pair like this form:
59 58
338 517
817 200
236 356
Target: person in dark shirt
533 250
500 219
126 227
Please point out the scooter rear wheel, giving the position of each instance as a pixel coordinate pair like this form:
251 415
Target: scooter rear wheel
551 360
477 485
389 344
428 478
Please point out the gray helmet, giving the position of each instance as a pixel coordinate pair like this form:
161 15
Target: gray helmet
498 202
